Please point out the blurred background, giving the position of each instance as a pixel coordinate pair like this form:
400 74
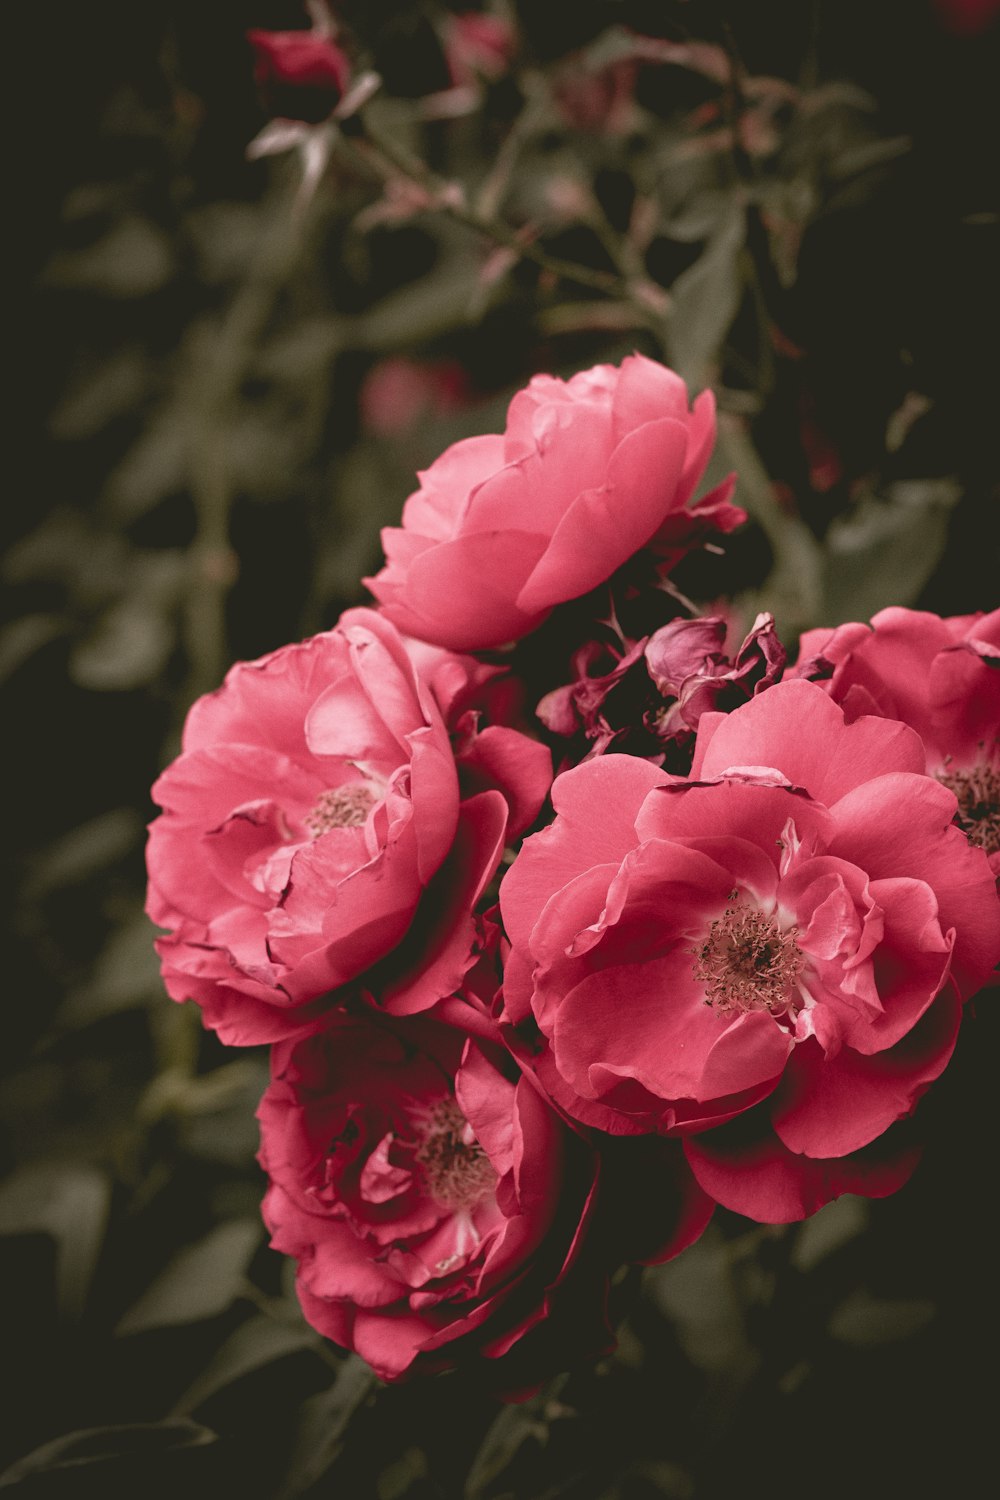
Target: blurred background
224 383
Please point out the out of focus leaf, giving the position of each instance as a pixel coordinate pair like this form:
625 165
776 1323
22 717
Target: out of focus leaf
699 218
22 638
226 236
398 1478
155 466
116 386
134 638
421 311
68 1201
794 590
258 1342
127 650
52 550
153 1459
125 976
697 1295
323 1424
579 317
300 354
132 260
516 1429
84 851
705 299
828 1230
886 548
201 1282
866 1321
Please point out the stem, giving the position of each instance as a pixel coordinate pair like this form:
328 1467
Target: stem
388 160
215 388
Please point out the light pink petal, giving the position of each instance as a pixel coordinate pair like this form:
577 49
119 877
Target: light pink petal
462 594
828 1107
432 962
519 767
901 825
765 1181
604 526
596 804
796 728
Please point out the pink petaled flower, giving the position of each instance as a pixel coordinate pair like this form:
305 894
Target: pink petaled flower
967 17
587 472
439 1209
787 938
318 831
940 676
301 75
398 394
478 45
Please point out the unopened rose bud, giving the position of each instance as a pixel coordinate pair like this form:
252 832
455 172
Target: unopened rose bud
301 75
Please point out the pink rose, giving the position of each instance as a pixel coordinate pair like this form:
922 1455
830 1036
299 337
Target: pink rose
399 394
318 831
787 937
940 676
301 75
504 528
478 45
439 1209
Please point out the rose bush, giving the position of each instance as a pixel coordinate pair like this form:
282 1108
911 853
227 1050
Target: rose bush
940 676
587 472
317 825
786 937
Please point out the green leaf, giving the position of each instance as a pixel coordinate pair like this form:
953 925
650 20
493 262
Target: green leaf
698 1296
201 1282
84 852
132 260
69 1202
258 1342
126 976
322 1430
886 548
867 1321
153 1455
705 299
21 639
830 1229
516 1430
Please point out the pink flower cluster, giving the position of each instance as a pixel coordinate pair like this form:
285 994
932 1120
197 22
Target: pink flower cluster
525 1030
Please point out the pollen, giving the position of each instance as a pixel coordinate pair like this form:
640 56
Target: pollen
340 807
457 1171
747 962
978 791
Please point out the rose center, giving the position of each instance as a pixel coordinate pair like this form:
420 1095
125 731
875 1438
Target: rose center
456 1169
340 807
746 962
978 793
